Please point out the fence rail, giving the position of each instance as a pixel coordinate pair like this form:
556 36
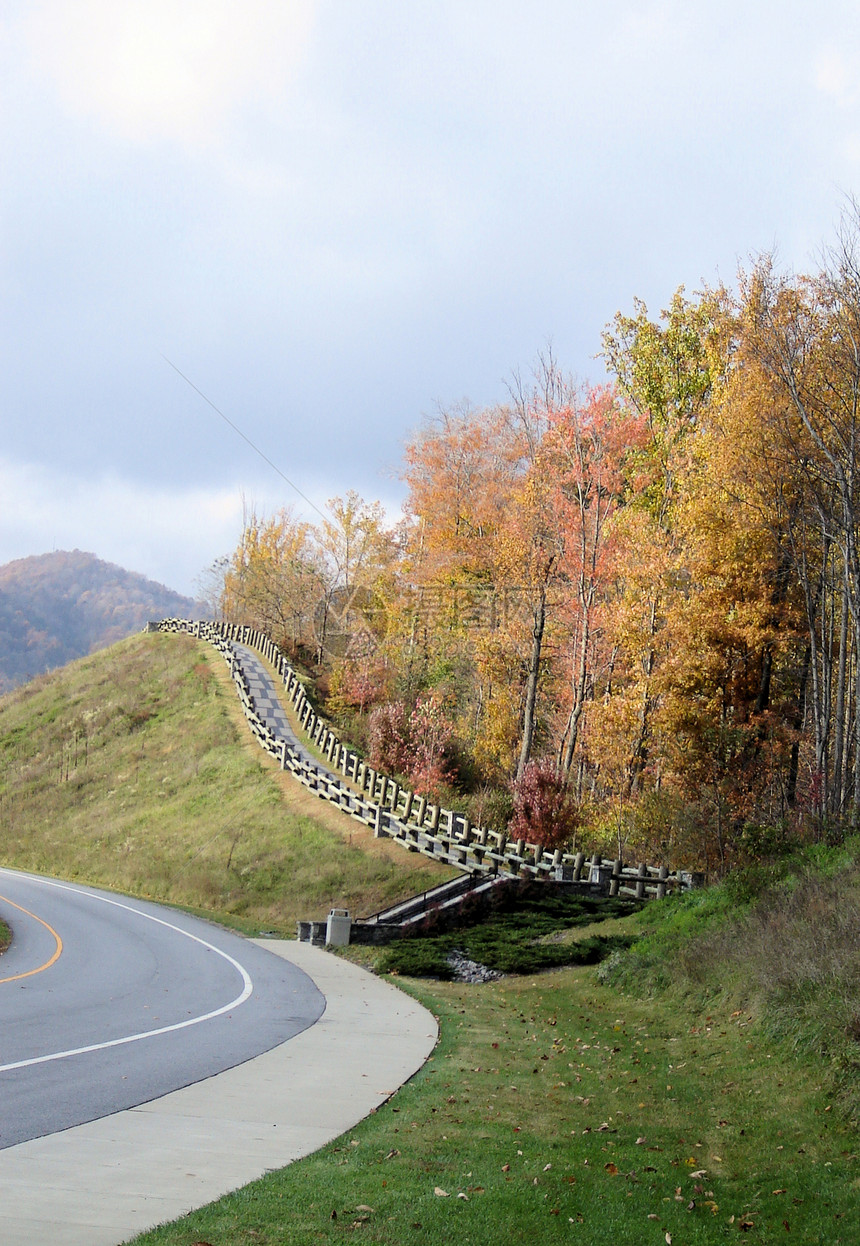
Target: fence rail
378 801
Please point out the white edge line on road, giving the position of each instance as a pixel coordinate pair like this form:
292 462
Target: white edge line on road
133 1038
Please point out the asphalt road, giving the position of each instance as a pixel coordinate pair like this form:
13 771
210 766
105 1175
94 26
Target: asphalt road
107 1003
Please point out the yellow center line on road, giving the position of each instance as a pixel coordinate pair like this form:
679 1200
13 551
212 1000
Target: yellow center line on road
52 959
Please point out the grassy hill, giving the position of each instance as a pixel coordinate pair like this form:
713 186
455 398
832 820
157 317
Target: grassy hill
134 769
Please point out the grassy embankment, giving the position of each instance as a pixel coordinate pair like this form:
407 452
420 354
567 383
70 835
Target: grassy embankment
135 769
698 1088
701 1085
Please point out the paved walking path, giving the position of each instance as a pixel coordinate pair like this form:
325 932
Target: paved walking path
268 705
272 714
100 1184
262 689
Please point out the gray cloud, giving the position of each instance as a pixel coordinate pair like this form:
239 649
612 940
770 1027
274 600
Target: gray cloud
332 217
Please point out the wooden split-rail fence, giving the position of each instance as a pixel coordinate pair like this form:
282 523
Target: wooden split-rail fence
377 800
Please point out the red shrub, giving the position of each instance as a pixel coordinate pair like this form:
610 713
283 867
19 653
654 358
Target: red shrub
544 810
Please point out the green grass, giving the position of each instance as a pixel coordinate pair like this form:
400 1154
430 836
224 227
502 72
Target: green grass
134 769
562 1112
783 944
648 1100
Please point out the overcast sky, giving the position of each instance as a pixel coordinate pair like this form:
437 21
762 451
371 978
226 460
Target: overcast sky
333 217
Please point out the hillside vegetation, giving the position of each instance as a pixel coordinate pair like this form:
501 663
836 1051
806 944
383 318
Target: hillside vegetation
636 605
134 769
61 606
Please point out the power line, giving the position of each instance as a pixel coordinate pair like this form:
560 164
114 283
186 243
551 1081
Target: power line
245 438
329 518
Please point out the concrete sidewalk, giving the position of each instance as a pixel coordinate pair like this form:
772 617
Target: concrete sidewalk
102 1183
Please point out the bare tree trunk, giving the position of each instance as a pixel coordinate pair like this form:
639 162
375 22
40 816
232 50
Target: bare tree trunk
794 759
638 754
538 626
837 793
580 687
855 810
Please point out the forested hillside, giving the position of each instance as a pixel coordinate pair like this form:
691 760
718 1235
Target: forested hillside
60 606
636 605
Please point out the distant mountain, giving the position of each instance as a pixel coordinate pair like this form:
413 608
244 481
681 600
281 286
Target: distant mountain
61 606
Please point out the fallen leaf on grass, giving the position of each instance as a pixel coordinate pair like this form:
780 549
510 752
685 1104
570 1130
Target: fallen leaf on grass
440 1193
364 1207
612 1169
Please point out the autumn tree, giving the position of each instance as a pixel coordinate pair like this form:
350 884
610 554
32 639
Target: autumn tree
275 577
805 333
460 473
486 560
532 537
589 454
357 549
511 509
665 371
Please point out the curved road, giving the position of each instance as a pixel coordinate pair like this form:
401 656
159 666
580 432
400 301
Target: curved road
107 1003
